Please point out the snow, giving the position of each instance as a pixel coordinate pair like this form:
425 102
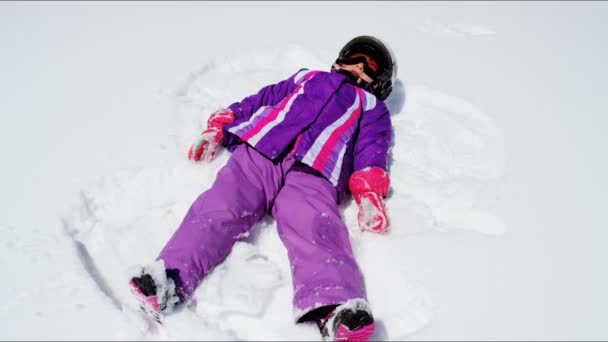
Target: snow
497 168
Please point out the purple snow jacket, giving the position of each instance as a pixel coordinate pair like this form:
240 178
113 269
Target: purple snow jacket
319 118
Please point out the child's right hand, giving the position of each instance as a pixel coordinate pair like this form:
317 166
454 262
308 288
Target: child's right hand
207 144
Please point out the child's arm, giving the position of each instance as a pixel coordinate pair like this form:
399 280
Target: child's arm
369 182
209 141
267 96
374 139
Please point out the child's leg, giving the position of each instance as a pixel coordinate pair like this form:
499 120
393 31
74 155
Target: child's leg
240 196
324 270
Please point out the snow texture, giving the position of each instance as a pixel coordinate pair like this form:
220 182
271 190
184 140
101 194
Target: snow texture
458 31
446 153
482 244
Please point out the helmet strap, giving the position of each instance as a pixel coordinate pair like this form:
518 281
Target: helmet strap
357 80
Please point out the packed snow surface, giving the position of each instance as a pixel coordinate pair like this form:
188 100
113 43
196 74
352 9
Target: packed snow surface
497 166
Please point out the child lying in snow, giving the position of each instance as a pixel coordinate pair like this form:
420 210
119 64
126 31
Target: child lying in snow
297 147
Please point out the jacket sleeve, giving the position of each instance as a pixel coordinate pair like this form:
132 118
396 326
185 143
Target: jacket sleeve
267 96
374 138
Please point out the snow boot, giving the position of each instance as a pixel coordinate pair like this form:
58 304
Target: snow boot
351 321
155 292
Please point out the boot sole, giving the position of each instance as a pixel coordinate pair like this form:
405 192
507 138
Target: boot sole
148 304
361 334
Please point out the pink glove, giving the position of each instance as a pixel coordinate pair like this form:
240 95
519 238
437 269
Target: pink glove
368 187
207 144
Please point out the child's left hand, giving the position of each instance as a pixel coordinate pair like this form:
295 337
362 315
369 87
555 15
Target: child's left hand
372 213
368 187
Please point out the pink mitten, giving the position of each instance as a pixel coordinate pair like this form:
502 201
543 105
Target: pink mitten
207 144
368 187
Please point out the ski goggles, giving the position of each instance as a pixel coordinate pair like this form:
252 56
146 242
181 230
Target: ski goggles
360 58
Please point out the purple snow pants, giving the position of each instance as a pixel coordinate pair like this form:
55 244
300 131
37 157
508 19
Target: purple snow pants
309 224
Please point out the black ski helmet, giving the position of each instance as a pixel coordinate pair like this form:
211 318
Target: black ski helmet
380 53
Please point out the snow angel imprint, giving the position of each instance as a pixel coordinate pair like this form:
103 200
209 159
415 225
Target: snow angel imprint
298 148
